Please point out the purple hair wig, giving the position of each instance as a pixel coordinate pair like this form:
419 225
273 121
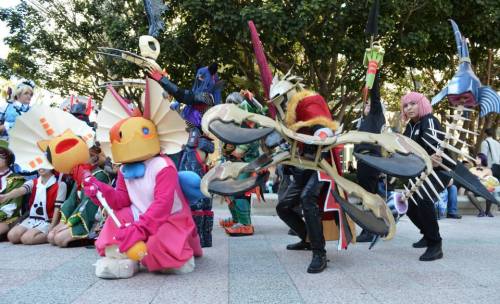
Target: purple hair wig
483 158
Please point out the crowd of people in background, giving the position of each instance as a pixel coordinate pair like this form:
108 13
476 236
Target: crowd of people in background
44 206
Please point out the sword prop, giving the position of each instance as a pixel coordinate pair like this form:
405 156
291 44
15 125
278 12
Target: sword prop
139 250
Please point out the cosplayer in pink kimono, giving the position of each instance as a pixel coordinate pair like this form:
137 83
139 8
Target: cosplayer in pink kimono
148 199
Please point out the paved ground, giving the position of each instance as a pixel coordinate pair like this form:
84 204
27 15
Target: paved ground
258 269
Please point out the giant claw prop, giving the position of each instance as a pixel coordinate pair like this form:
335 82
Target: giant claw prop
223 122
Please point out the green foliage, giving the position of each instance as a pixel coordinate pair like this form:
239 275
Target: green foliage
323 40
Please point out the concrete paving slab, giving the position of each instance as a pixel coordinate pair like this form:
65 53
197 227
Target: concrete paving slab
258 269
139 289
209 283
61 284
260 278
10 279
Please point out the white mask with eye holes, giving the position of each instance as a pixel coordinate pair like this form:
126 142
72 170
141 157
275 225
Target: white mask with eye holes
282 90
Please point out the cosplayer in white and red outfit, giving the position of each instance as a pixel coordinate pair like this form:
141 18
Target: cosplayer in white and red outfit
45 197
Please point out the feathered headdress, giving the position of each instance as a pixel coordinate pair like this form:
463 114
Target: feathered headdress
156 109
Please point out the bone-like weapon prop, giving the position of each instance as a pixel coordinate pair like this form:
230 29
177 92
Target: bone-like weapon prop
138 83
453 126
445 144
440 151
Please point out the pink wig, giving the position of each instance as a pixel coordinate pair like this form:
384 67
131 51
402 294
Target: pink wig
424 106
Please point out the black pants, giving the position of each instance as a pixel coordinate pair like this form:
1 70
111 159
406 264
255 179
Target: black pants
367 177
475 202
424 215
304 190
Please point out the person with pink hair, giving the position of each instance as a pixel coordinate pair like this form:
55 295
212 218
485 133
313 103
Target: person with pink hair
422 127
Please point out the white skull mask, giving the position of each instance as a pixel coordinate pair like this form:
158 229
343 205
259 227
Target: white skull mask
149 46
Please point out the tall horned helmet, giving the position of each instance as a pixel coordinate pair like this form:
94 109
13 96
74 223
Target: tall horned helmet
282 90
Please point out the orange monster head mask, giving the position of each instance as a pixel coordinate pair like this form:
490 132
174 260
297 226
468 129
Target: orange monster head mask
134 139
65 151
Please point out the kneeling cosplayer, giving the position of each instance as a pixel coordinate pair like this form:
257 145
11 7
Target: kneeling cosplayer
148 201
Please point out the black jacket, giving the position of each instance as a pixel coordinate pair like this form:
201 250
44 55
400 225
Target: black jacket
423 129
374 121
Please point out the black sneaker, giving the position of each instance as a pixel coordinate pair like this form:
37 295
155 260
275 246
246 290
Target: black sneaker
420 244
299 246
318 263
433 252
454 216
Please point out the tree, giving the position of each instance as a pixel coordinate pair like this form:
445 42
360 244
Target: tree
323 40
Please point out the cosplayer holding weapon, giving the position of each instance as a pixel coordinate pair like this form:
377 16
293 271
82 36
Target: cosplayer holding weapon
372 116
148 194
204 93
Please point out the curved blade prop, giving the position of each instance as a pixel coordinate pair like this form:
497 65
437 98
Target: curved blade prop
233 134
464 177
398 165
364 218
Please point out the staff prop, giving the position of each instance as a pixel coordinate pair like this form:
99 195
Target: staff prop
136 252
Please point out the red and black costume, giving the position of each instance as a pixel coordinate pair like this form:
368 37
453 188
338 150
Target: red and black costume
306 113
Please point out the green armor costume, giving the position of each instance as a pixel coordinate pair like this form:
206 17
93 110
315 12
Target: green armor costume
239 206
78 211
11 210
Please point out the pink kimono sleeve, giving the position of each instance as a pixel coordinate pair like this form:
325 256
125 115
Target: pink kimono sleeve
117 197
